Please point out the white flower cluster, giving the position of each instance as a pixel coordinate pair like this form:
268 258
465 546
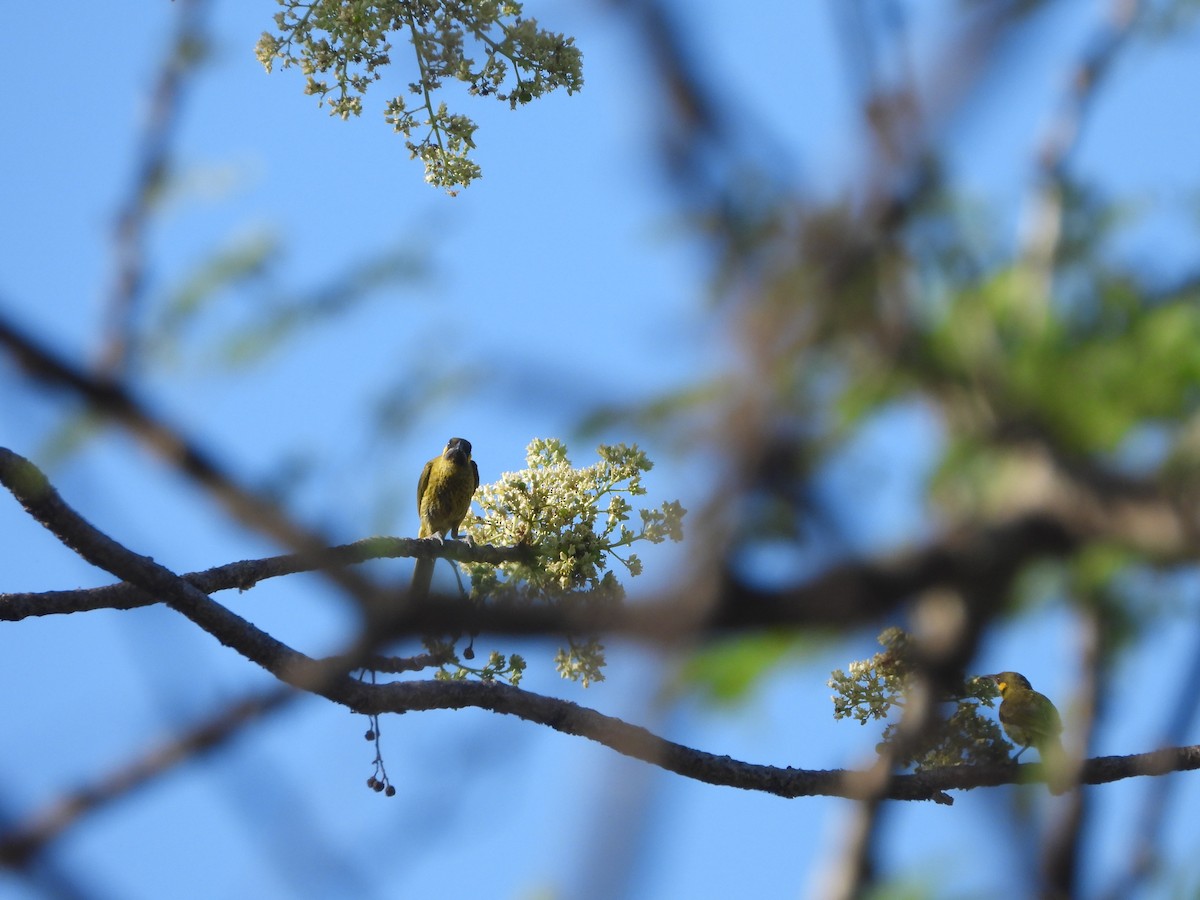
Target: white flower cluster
576 521
350 40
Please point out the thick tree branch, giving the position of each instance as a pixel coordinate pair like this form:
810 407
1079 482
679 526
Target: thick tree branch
113 399
329 679
20 846
636 742
43 502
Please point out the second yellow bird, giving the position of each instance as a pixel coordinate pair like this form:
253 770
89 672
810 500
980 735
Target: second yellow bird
1030 719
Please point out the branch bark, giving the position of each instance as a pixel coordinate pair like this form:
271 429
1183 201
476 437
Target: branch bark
114 400
245 574
844 595
330 679
634 741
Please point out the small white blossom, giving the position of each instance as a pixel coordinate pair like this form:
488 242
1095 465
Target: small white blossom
350 39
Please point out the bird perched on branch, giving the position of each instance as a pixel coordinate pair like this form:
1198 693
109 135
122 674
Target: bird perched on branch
1031 720
444 493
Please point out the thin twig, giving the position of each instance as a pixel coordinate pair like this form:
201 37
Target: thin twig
165 107
1044 214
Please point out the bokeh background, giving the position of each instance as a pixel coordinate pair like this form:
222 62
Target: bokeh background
641 262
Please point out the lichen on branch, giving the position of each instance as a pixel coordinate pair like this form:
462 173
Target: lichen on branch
487 44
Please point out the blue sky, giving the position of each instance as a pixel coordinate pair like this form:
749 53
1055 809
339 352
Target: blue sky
571 277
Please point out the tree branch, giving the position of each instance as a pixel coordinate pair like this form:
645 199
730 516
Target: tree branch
30 486
151 171
846 594
329 679
245 574
22 844
1044 211
631 740
114 400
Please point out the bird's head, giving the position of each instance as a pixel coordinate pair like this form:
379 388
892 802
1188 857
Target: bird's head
457 450
1006 680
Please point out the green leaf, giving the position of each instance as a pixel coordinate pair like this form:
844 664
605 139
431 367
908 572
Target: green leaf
725 672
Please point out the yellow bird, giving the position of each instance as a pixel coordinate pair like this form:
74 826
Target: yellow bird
1030 719
444 493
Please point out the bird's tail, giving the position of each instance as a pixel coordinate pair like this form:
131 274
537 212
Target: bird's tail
1059 768
422 579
